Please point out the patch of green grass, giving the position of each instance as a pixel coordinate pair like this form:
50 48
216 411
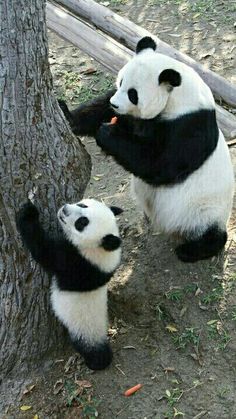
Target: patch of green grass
202 6
78 89
190 288
224 339
173 396
233 314
161 312
213 296
173 413
163 2
190 336
217 332
117 2
224 392
212 328
83 399
175 294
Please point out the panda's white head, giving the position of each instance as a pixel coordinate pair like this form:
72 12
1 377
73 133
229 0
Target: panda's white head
152 83
90 225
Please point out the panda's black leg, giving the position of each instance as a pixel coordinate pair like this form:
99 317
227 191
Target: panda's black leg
96 357
204 247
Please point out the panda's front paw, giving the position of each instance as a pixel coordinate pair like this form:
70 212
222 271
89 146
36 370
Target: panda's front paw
28 213
103 134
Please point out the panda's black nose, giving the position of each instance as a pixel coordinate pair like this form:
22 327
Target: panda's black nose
114 106
65 210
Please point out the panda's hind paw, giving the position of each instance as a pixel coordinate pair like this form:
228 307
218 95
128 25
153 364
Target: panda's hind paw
186 254
99 358
96 357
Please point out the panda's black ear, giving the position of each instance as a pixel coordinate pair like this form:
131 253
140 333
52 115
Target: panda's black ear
111 242
116 210
144 43
172 77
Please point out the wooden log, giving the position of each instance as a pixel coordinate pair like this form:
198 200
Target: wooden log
110 53
103 49
128 33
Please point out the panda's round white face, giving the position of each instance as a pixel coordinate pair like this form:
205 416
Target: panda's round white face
152 83
89 224
138 92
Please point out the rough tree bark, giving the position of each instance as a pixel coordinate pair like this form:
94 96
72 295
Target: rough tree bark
38 153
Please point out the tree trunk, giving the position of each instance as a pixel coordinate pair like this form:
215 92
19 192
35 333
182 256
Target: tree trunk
38 155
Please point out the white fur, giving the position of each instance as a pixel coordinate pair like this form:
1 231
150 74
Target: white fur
101 223
203 199
83 313
142 73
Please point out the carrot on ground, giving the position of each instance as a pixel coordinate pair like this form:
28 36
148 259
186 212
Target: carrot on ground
132 390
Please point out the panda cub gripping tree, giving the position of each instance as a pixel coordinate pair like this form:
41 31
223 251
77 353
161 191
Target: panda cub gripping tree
167 136
82 258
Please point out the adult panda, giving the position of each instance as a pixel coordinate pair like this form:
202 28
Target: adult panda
83 258
167 137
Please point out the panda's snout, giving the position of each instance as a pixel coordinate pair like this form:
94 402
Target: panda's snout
114 106
65 210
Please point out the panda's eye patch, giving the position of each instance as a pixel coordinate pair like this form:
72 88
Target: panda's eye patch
81 223
82 206
121 82
133 96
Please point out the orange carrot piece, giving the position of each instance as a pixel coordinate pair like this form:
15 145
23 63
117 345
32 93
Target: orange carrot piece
114 120
132 390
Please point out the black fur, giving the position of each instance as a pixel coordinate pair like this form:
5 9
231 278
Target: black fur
206 246
146 42
171 77
97 357
133 96
161 152
58 256
116 210
87 118
111 242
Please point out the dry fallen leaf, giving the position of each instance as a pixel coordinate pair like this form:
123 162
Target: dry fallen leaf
83 383
169 369
183 311
198 291
28 389
58 386
212 322
89 71
24 408
171 328
70 363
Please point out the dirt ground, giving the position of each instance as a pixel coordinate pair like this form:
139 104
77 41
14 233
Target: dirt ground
172 326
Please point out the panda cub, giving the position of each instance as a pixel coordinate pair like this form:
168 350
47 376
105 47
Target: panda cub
83 258
167 137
